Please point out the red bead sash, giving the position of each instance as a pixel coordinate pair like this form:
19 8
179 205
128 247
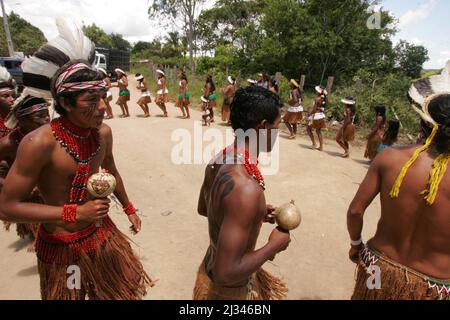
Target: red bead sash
83 145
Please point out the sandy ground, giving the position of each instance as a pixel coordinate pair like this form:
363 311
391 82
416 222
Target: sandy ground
174 237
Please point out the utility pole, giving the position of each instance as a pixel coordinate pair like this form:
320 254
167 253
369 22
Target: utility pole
8 33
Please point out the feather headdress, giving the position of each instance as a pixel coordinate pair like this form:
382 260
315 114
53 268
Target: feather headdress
50 61
423 91
6 81
421 94
71 44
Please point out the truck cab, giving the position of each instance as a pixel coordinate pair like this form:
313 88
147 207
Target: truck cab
13 65
100 61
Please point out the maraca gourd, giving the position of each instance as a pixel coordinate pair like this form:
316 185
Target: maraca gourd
101 185
288 216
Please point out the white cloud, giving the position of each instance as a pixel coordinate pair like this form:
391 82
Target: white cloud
416 41
444 57
420 13
127 17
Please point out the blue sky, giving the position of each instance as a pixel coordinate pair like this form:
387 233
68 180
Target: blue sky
425 22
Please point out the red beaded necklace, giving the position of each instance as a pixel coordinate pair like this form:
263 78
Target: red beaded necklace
250 166
83 145
4 131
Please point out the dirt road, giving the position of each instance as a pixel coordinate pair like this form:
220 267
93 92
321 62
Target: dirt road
174 237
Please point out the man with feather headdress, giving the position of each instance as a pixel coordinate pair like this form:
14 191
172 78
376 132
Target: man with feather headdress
27 114
75 231
7 97
409 256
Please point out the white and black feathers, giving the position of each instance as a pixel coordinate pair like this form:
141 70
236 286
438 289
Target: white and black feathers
5 77
425 90
38 70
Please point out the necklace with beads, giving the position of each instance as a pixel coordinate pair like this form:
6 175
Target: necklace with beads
250 164
4 131
82 145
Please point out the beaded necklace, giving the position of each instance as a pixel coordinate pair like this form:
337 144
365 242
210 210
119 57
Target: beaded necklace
83 145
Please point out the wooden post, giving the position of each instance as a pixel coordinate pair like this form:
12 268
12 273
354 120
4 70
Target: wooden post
330 84
278 79
302 82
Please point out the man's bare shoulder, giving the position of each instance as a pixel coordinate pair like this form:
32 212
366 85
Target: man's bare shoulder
42 137
7 144
245 189
396 154
105 131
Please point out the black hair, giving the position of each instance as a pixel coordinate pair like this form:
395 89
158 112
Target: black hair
380 110
71 97
439 109
274 84
183 76
253 104
209 80
352 108
7 84
30 101
391 134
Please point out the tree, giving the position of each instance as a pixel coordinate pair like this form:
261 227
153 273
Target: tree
118 42
97 35
141 46
26 37
221 24
173 46
410 58
172 9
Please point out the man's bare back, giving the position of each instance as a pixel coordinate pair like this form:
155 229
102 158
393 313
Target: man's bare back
229 180
410 231
236 209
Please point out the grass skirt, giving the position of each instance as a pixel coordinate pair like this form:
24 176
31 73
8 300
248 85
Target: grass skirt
262 286
398 282
109 269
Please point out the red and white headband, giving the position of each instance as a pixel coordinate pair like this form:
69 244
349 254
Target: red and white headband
76 86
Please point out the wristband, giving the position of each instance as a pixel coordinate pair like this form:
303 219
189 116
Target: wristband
357 242
69 214
129 209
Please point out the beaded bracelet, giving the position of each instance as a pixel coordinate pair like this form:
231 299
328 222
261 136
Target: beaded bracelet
69 214
129 209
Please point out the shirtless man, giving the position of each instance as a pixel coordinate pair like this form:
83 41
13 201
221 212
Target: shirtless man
28 115
411 247
232 198
58 158
7 96
124 93
228 94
